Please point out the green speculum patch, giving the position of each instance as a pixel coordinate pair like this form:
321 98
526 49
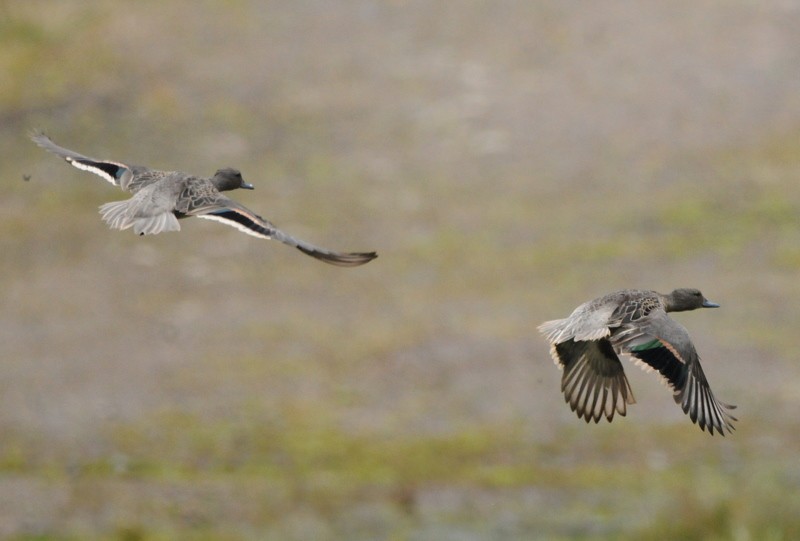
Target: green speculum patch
652 344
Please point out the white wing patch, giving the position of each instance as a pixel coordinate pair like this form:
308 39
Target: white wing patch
96 170
233 223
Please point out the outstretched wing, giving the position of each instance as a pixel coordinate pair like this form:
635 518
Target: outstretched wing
116 173
663 345
204 202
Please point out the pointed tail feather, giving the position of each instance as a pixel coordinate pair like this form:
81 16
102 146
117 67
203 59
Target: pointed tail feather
123 215
552 330
153 225
117 214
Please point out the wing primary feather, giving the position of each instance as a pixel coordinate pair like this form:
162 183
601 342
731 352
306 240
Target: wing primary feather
258 227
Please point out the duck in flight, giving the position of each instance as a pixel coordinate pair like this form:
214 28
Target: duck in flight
161 198
586 346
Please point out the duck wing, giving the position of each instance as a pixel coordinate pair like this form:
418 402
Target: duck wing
127 177
593 382
204 201
662 344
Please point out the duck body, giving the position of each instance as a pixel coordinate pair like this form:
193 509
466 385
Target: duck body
161 198
587 344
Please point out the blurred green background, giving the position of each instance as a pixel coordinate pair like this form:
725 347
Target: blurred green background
509 160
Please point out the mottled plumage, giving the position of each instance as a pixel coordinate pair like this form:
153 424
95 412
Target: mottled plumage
586 346
160 198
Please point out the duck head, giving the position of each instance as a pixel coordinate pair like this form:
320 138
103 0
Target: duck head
687 299
229 179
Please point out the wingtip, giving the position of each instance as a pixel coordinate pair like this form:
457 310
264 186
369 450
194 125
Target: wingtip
722 424
722 430
37 136
353 259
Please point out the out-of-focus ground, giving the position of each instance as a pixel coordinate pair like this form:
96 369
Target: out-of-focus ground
508 160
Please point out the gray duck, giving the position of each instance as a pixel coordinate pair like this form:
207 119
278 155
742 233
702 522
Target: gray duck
161 198
587 344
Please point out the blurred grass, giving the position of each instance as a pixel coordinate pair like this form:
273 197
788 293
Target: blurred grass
268 471
208 386
45 60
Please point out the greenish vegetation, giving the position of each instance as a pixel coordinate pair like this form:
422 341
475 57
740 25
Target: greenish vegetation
264 473
507 162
